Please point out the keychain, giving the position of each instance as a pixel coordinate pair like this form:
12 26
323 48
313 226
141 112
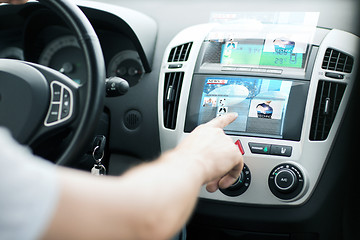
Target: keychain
98 154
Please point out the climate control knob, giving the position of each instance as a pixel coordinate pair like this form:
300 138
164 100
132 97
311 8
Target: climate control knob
240 185
286 181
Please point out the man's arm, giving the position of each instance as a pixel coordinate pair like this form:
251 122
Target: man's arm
14 1
153 200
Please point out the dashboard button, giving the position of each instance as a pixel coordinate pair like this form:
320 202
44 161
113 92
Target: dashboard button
281 150
174 66
285 180
239 145
334 75
259 148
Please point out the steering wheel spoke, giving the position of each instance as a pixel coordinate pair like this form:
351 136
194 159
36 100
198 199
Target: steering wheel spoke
64 96
63 104
36 101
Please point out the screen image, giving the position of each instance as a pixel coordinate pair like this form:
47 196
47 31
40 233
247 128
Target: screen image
278 53
260 103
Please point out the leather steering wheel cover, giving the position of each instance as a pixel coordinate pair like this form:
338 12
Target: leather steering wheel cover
95 84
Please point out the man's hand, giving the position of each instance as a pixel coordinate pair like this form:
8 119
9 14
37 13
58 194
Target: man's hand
13 1
215 151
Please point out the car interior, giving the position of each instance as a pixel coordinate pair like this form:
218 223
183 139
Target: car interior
109 84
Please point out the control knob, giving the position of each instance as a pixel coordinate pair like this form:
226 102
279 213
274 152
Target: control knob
286 181
240 185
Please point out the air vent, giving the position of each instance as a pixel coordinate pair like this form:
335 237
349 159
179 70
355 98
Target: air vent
337 61
328 98
172 90
180 53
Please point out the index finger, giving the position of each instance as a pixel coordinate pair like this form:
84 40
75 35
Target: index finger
223 120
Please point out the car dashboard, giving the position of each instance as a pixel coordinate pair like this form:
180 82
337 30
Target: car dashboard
50 43
293 82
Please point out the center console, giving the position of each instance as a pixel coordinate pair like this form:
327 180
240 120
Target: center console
290 96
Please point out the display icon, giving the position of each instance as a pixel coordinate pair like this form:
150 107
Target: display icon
221 111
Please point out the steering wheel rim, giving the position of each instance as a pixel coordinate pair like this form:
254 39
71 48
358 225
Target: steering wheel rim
95 84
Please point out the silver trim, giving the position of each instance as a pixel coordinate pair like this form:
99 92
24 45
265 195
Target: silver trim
308 156
60 103
290 186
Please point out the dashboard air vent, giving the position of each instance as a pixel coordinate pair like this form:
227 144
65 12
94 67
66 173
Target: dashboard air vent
337 61
180 53
328 98
172 90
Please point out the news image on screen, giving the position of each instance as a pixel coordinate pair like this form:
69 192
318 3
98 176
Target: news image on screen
260 103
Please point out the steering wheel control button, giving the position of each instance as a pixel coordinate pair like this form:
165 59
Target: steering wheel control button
65 104
54 113
65 110
66 95
61 105
286 181
259 148
240 185
281 150
56 93
241 149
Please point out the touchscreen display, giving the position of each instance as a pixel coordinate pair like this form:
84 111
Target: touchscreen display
261 104
280 53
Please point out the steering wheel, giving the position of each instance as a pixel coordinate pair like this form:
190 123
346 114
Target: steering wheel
38 103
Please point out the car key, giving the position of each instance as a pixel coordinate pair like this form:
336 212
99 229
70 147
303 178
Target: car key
98 169
98 154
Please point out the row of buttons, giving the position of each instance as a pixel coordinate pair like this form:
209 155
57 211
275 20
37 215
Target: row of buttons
249 69
285 181
61 104
279 150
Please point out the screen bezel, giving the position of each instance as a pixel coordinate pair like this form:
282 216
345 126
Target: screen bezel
293 116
